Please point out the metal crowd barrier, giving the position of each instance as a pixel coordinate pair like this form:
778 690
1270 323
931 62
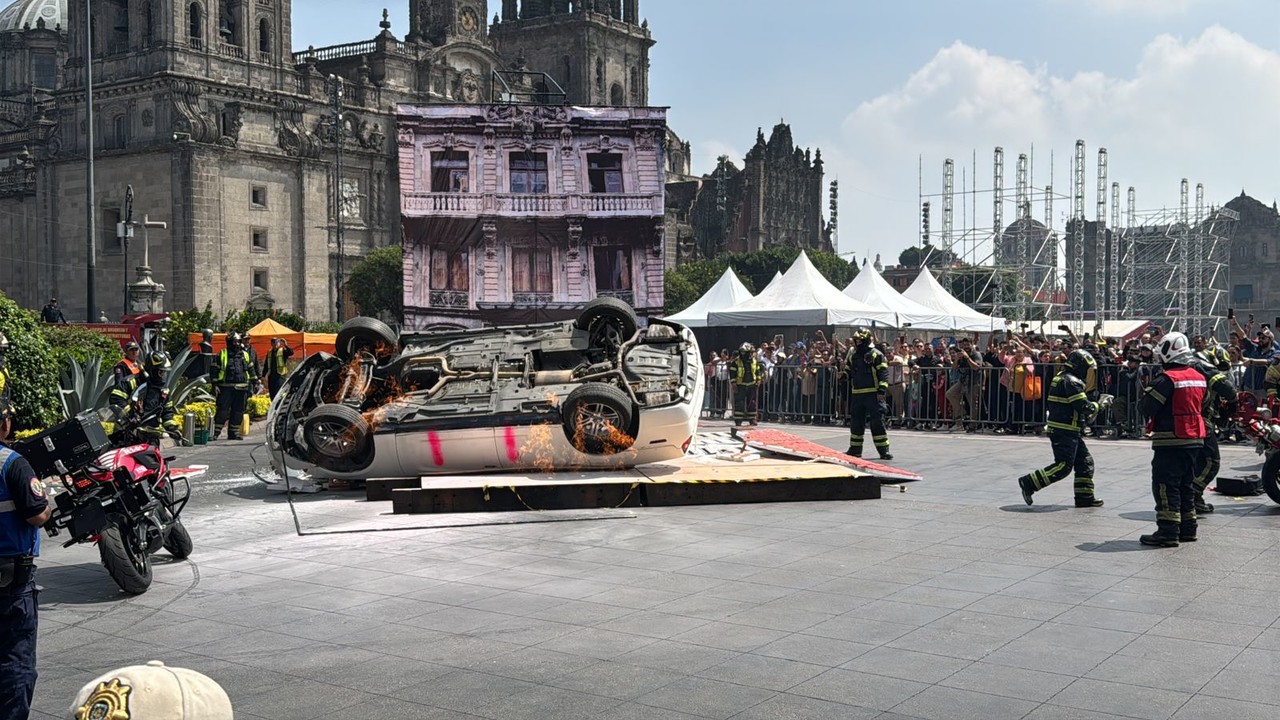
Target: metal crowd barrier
988 399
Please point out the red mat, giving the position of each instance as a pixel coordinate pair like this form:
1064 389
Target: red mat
784 443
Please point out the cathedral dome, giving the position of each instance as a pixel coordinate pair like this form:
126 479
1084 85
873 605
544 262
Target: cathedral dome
24 13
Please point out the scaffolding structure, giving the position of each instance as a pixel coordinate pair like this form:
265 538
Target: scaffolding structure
1165 266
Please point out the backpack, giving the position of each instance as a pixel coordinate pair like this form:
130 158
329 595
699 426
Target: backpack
1032 388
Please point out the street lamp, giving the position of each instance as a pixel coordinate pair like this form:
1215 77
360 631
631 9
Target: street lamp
90 240
338 133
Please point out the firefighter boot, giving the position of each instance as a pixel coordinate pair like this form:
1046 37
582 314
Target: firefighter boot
1187 531
854 451
1088 501
885 454
1027 487
1164 536
1202 507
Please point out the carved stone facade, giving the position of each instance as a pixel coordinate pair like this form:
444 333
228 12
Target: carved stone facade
225 134
775 199
523 213
1255 261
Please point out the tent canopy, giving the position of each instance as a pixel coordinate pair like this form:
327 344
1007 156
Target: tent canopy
776 277
926 290
727 292
802 296
869 287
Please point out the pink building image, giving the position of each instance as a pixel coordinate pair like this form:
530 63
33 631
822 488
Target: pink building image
517 213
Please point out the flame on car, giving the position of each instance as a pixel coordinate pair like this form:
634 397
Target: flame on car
612 440
391 394
539 449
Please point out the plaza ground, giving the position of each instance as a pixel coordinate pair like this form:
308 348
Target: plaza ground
950 600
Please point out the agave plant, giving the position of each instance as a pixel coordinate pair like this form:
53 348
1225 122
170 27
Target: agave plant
84 387
182 389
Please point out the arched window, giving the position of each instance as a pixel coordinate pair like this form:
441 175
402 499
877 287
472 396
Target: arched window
264 36
149 27
634 81
195 25
599 74
615 95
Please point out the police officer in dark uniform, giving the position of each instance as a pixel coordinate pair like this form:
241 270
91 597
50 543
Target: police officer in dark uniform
23 509
1219 404
1069 410
868 372
1175 403
128 375
234 372
744 373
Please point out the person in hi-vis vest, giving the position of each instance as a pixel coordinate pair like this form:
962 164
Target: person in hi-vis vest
277 366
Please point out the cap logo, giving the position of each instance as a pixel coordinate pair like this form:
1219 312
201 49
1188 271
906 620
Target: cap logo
110 701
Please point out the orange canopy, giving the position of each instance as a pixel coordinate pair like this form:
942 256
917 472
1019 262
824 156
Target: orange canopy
260 336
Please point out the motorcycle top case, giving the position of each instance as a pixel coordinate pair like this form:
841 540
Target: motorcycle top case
75 442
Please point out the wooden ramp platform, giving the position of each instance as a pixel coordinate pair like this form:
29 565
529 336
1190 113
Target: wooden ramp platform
719 469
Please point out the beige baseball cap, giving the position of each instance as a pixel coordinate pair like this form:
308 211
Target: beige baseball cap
152 692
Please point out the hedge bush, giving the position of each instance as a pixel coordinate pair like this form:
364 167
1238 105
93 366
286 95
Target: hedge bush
81 343
32 368
200 409
184 322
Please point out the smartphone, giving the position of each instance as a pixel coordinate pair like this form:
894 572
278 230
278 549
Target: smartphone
1231 313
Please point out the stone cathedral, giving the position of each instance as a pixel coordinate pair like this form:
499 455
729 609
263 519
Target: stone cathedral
227 135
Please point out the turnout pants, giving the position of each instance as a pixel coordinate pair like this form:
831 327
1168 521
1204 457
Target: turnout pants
1069 455
17 650
231 401
864 408
746 403
1172 478
1210 463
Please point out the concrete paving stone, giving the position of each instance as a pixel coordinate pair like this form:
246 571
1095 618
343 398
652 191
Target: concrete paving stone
816 601
706 697
682 657
860 629
636 711
389 638
946 703
1210 631
1096 582
1004 570
931 562
1238 614
812 649
544 702
594 642
795 576
388 707
1050 591
456 620
1268 640
636 598
1204 707
959 580
985 677
778 615
615 679
859 689
948 643
899 608
581 612
653 624
1128 700
795 707
721 570
399 585
453 593
727 635
675 582
970 622
569 588
939 597
1170 649
462 690
1134 602
1059 712
892 574
390 609
1019 607
514 602
1061 635
523 631
1107 619
860 587
458 571
186 635
907 664
1035 655
1240 679
533 664
703 606
750 592
1187 675
761 671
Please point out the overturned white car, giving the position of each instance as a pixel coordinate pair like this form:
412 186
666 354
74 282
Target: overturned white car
596 392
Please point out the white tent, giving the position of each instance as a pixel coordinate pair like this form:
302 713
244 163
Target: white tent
926 291
776 277
869 287
802 297
727 292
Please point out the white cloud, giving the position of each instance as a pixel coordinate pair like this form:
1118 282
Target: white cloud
1207 109
707 152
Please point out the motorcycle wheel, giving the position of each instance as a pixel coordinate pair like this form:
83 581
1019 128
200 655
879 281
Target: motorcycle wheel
1271 477
125 559
178 541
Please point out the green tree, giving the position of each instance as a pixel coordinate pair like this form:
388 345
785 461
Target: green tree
376 284
914 256
678 292
975 285
758 268
184 322
81 343
32 369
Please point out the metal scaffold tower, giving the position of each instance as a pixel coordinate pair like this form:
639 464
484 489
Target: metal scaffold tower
1164 266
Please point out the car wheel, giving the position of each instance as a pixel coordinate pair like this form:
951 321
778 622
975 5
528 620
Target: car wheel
609 322
366 334
339 437
597 419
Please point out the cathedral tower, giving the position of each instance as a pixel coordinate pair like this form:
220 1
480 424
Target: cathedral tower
439 22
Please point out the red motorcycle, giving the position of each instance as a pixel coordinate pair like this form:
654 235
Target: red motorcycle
118 493
1262 424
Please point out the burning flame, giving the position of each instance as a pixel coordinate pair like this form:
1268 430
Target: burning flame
539 448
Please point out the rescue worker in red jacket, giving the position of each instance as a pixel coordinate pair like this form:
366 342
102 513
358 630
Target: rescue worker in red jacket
1175 401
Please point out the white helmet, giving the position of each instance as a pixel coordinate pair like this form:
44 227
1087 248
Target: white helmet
1174 348
747 347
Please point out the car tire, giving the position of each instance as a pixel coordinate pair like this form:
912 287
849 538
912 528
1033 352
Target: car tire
597 419
366 334
1271 477
609 322
339 437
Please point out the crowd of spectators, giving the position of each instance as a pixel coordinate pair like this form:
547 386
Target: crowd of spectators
950 383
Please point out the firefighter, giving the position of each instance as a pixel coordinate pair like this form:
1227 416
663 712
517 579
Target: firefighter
234 372
1219 404
157 408
277 366
868 372
128 375
744 373
1271 381
1069 410
1175 403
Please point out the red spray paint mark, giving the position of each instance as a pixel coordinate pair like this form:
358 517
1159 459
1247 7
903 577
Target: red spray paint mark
513 452
437 456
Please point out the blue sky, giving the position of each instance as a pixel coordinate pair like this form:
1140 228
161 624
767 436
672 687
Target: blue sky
1172 89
